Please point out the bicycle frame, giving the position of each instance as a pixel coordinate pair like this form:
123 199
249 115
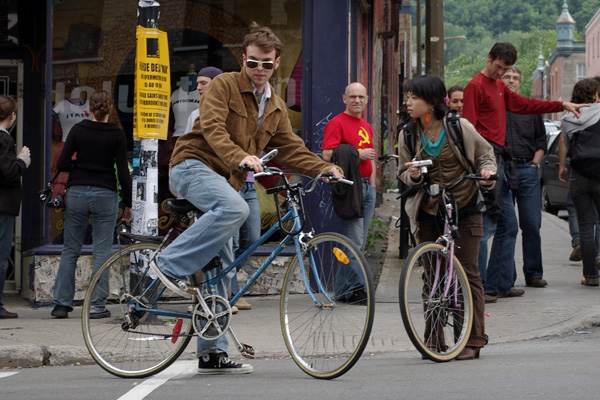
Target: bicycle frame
446 240
213 277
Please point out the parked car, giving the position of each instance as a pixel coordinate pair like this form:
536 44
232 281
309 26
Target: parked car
552 130
554 192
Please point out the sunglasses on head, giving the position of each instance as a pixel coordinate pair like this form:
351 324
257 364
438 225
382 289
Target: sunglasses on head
250 63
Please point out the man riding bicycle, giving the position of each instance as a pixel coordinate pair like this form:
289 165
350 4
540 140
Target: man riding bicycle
241 117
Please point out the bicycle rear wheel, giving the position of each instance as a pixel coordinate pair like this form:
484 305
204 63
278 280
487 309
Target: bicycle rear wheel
149 327
438 325
326 326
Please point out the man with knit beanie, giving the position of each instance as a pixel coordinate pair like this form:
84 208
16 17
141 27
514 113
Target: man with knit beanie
205 76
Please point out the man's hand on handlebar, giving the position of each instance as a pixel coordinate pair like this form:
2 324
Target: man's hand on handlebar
251 163
335 171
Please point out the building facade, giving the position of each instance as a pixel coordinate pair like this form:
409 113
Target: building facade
566 65
56 53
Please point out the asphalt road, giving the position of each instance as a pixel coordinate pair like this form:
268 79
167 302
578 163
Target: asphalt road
564 367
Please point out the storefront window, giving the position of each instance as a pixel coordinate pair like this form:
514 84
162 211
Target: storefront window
94 48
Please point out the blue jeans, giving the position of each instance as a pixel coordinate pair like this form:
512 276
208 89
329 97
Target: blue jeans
7 230
530 220
83 202
585 194
501 264
224 213
574 227
357 230
250 230
489 230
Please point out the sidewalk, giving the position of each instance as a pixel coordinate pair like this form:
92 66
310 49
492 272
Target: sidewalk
565 306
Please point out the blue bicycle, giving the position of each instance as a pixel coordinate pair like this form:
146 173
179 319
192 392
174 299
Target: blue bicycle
324 327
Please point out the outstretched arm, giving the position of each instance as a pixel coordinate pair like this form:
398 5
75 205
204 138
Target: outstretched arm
574 108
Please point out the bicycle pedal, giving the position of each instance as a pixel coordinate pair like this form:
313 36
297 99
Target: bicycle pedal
248 351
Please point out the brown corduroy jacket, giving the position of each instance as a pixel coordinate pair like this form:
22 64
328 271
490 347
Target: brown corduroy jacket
226 132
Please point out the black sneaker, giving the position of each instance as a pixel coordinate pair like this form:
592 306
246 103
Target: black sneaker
101 314
61 312
219 364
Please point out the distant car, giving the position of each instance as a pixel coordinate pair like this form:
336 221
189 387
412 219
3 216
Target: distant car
554 192
552 130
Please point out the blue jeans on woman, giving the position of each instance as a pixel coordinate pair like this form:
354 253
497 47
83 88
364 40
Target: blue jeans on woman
585 193
83 202
224 212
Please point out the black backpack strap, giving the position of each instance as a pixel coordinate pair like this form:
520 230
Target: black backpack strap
455 131
409 137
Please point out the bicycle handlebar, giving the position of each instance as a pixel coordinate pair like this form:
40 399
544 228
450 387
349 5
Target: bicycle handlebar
475 177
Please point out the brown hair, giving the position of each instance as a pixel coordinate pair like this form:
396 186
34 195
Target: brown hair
585 91
263 38
8 105
455 88
505 52
100 104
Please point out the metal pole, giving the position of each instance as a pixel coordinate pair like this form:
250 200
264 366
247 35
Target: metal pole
434 37
419 44
148 15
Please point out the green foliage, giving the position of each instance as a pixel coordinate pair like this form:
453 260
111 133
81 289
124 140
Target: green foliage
377 232
492 18
527 24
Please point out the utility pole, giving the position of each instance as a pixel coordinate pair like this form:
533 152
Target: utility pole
419 43
434 37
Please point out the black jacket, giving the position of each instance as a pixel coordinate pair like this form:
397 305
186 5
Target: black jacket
11 169
347 199
99 146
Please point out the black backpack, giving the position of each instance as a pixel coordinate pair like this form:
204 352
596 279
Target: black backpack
454 131
584 151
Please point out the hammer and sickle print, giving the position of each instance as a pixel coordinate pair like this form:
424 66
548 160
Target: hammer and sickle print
365 137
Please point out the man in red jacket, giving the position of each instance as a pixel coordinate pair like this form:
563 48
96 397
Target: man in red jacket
486 100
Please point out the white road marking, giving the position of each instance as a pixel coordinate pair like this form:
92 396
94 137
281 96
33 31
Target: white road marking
149 385
7 374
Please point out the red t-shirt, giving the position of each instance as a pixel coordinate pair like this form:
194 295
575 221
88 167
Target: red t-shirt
344 128
487 100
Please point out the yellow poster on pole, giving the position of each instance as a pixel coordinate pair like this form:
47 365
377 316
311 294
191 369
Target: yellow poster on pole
152 85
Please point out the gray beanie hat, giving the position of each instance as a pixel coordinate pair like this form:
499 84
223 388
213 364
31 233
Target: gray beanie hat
210 72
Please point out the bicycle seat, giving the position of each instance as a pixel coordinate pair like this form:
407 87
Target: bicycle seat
180 206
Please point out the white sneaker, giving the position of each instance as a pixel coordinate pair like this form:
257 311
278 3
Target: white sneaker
178 287
219 364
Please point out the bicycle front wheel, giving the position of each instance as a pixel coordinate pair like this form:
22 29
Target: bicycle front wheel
327 306
148 326
436 306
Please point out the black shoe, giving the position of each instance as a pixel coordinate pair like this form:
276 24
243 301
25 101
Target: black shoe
511 293
219 364
537 282
7 314
61 312
101 314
